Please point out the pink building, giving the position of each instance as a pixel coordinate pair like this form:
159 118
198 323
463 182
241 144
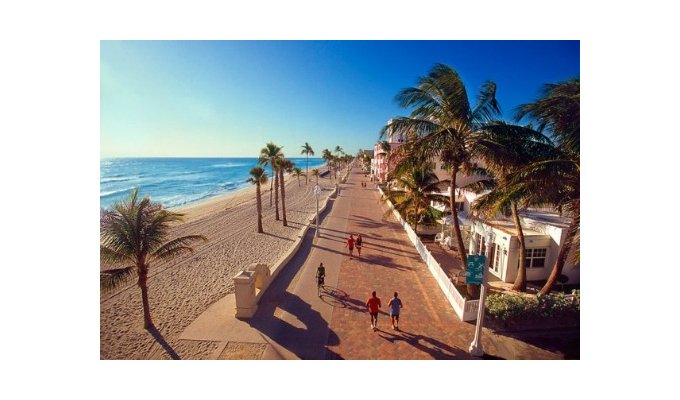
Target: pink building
379 164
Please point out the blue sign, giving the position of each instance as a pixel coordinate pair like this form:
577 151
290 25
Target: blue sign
474 273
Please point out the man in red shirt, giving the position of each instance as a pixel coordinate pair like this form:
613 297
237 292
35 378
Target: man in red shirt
373 305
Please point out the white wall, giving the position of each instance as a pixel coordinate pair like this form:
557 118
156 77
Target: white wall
552 239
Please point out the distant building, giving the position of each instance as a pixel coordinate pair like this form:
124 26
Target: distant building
380 162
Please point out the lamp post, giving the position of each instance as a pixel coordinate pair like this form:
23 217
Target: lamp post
476 345
317 192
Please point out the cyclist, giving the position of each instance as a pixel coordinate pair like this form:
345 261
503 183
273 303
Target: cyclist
320 275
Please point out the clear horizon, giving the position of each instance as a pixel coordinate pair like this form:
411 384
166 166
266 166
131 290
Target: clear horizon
198 99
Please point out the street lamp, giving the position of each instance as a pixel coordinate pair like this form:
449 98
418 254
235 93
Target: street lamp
317 192
476 345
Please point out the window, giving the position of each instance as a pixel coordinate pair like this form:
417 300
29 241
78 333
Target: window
535 258
495 256
497 259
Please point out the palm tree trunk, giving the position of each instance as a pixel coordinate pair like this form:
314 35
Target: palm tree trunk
561 258
259 209
143 270
276 193
298 180
271 186
283 196
306 176
521 280
473 290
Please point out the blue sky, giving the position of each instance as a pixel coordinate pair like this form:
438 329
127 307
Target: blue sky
228 98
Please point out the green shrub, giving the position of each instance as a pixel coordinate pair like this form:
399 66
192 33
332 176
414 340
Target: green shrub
506 307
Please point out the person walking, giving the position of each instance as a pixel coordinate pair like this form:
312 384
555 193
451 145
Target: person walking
395 306
350 244
358 243
320 277
373 305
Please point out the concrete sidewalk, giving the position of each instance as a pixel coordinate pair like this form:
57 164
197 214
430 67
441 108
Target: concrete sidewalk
292 322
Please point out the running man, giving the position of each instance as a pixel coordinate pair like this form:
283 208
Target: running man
350 244
395 305
358 242
320 276
373 305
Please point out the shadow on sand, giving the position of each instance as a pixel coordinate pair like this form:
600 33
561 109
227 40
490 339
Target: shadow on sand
164 344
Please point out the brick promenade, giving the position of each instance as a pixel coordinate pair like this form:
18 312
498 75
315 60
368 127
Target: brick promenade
429 328
294 322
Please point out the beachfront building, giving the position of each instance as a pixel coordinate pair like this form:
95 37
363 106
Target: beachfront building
544 234
366 158
381 152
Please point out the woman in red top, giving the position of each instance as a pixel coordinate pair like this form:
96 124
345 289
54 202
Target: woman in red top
350 244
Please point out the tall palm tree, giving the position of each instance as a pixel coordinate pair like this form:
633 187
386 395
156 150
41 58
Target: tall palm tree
557 180
298 173
315 172
328 157
258 177
307 150
444 124
268 155
418 183
505 149
338 150
284 166
132 237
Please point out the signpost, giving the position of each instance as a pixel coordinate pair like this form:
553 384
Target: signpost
474 273
475 268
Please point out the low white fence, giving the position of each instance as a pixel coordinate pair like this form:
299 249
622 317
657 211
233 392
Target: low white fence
465 309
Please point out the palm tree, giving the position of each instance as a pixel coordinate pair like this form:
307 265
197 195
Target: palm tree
132 236
418 184
328 157
298 173
284 166
506 149
556 180
444 124
315 172
338 150
268 155
258 177
307 149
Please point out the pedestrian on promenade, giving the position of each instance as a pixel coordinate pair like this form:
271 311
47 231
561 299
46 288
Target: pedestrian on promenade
373 305
359 243
395 305
350 244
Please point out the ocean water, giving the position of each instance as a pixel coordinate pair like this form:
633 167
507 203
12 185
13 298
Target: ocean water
176 182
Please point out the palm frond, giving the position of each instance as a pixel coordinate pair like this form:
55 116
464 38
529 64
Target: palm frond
177 247
114 278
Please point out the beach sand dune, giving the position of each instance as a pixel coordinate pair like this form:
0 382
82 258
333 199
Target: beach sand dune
180 290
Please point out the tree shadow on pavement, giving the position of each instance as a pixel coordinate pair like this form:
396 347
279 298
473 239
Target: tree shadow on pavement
308 341
433 347
387 262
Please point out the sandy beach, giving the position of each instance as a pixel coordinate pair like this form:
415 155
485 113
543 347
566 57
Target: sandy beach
182 289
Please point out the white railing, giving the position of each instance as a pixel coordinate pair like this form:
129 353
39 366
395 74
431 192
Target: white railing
465 309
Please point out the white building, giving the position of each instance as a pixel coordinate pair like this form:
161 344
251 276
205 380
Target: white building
544 234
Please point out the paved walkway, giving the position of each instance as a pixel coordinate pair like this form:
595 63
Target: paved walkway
292 322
